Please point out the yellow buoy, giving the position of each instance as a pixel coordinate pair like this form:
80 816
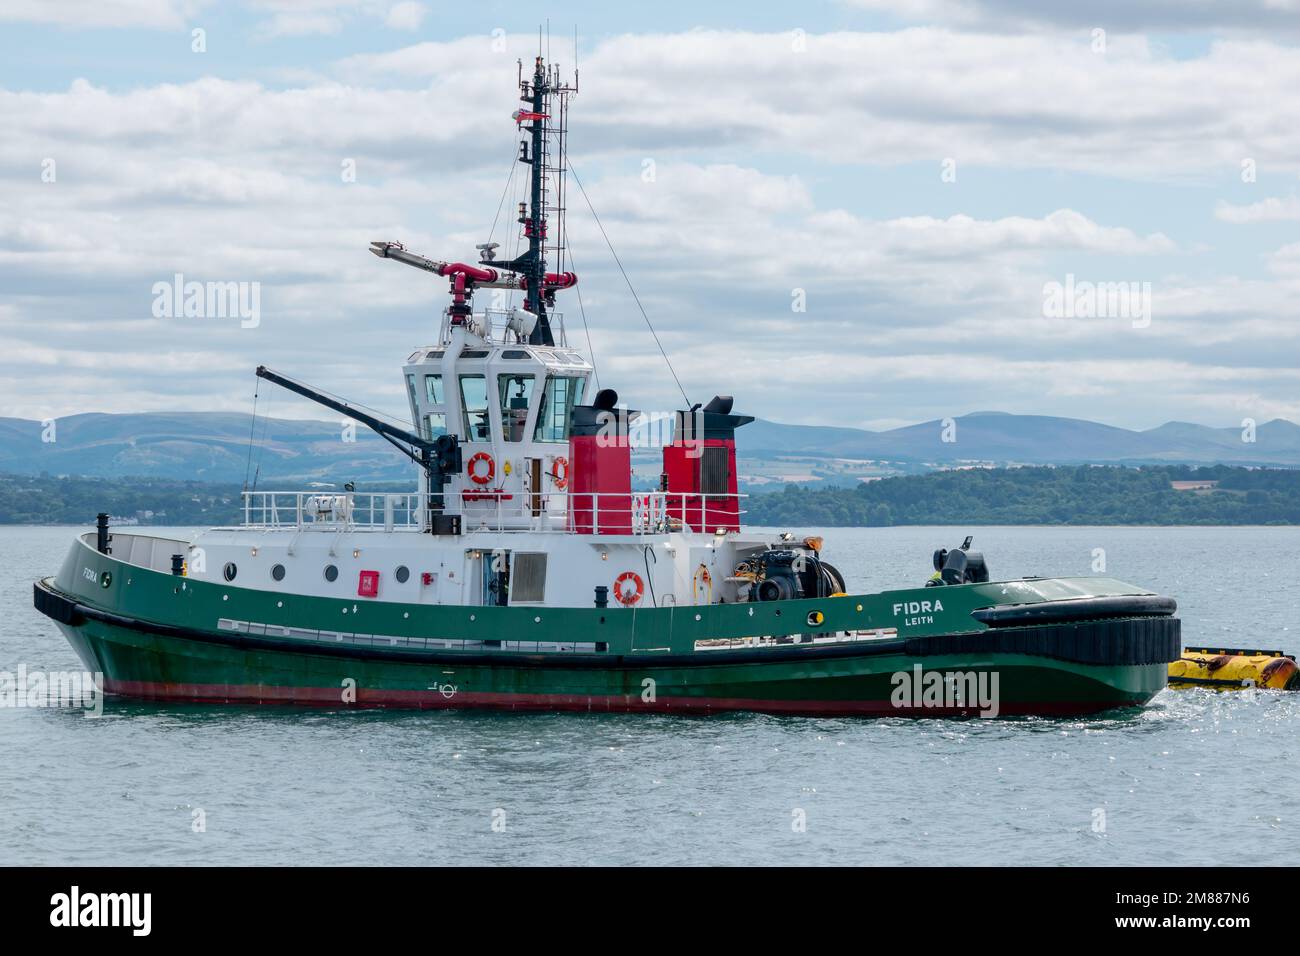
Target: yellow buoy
1233 669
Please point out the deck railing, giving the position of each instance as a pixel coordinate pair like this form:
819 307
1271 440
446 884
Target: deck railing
648 512
326 511
495 326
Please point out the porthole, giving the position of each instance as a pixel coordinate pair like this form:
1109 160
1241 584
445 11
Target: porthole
277 572
403 574
106 579
331 573
229 571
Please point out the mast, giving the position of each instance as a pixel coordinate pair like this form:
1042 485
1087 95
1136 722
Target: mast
543 93
535 226
544 150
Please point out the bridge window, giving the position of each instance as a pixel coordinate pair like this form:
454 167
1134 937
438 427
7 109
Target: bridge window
562 392
415 398
433 389
435 425
516 395
474 402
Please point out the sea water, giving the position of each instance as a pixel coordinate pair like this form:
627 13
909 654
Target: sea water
172 784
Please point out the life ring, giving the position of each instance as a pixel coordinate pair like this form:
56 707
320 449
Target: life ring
702 580
628 596
485 478
560 472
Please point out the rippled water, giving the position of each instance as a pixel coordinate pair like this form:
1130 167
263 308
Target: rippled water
302 786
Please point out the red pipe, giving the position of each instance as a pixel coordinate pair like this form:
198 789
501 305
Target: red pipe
463 275
554 280
473 272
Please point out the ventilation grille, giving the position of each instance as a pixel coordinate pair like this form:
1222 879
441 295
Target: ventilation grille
714 479
528 577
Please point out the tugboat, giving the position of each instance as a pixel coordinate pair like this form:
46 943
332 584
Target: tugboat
527 573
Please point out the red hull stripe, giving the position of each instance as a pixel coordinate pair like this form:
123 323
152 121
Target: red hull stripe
438 700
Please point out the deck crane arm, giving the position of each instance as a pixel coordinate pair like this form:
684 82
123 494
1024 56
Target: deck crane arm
440 458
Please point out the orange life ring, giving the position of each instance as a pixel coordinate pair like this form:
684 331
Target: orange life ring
474 476
560 472
628 596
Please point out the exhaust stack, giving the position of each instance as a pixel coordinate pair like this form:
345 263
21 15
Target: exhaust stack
700 467
600 467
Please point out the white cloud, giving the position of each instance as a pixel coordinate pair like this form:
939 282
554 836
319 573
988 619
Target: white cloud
767 229
1286 262
153 14
232 180
916 95
407 15
295 24
326 17
1273 209
1118 15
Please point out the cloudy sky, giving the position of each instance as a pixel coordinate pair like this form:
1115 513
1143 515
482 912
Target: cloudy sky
914 171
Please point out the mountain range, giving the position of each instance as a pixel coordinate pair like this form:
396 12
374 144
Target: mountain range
1002 438
215 446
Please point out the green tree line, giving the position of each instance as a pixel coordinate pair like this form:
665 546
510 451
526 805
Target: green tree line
1062 495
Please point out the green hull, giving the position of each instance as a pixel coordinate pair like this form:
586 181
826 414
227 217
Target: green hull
146 665
159 636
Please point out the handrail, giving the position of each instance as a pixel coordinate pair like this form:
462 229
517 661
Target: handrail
329 511
494 328
638 512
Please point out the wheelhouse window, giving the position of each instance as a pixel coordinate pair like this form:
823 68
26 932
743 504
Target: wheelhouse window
433 389
414 396
559 396
435 425
516 395
474 402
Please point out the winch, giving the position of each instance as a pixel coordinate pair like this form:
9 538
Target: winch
959 566
783 574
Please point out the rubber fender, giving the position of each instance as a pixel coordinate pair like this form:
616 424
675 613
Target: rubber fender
1234 669
1122 641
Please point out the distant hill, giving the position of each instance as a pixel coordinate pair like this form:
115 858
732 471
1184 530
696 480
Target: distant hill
997 437
200 446
214 446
